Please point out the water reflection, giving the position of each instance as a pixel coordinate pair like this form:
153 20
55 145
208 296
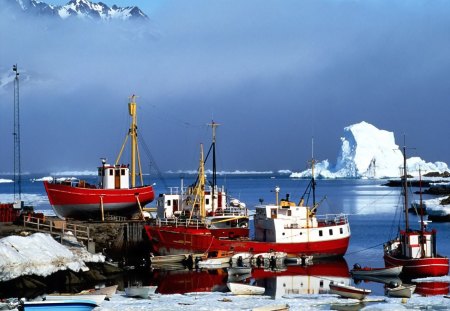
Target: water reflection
309 279
422 288
278 281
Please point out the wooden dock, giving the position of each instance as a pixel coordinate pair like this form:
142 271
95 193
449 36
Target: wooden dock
58 228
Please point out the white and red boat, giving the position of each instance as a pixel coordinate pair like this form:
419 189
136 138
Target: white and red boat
348 291
281 227
205 203
415 249
113 194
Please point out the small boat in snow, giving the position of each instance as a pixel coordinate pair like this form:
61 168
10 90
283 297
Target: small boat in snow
58 305
364 271
140 291
283 307
109 291
106 292
245 289
348 291
98 299
400 291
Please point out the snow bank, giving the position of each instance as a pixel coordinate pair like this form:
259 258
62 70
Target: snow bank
39 254
368 152
227 301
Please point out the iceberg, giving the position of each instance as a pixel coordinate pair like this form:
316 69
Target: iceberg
368 152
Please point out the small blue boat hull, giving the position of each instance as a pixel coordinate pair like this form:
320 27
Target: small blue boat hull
63 305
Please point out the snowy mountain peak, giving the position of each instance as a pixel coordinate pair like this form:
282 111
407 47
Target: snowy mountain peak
368 152
83 9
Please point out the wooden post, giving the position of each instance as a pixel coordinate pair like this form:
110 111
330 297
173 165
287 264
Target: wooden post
140 207
101 207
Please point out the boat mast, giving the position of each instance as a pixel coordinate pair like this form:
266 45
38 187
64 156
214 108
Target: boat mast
422 227
134 146
201 183
214 169
16 134
313 185
405 188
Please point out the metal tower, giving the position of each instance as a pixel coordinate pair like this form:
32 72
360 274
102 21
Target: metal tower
16 134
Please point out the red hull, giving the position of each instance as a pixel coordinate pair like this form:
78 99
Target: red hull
167 240
420 267
77 202
431 288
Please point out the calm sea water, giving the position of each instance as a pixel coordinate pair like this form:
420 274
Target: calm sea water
373 211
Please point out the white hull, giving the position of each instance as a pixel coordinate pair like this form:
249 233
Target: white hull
348 291
244 289
401 291
140 291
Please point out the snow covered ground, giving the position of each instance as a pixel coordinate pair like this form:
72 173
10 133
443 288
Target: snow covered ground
40 254
227 301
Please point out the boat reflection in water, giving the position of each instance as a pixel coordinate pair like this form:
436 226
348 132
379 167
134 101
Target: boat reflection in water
431 288
278 281
434 288
180 280
300 280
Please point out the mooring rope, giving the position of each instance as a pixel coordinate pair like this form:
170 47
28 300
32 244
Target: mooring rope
364 249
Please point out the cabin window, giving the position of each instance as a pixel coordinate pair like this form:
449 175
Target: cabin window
331 231
111 172
207 201
341 230
289 213
169 202
320 233
273 213
122 172
321 284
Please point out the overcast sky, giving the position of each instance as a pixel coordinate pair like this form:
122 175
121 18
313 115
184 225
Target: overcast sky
273 73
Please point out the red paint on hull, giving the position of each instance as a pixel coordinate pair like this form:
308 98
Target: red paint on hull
76 201
420 267
331 268
188 281
171 240
432 288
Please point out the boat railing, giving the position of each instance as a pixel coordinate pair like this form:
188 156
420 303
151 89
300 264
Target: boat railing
332 219
179 222
231 211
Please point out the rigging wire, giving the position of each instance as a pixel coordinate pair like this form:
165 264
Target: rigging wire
364 249
152 161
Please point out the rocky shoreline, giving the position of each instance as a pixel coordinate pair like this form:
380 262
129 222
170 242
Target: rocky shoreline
64 281
112 240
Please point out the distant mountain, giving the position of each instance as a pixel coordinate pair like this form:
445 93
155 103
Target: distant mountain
83 9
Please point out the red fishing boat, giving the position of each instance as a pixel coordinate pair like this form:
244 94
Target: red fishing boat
415 249
113 194
281 227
